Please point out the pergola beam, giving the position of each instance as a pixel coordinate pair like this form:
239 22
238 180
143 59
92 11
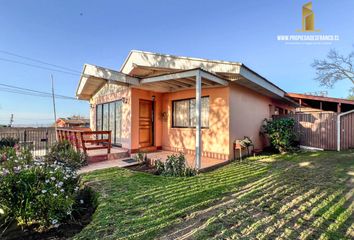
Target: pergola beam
185 75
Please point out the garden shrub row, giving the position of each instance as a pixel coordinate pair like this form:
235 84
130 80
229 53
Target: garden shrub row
40 193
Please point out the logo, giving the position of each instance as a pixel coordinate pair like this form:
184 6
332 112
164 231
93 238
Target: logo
308 18
308 36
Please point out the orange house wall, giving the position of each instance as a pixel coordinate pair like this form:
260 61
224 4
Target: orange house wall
235 112
215 139
248 109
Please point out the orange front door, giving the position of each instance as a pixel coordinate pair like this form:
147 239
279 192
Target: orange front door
145 123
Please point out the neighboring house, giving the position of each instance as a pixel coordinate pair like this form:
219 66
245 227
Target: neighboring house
73 122
309 103
197 106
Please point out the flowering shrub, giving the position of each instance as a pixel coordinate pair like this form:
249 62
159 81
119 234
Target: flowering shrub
175 165
34 192
64 153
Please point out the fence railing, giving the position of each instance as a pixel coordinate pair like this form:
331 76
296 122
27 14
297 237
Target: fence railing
86 140
38 140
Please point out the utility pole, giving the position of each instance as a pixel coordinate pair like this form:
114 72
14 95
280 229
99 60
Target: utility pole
54 109
11 120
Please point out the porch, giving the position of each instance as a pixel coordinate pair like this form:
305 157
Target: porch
101 154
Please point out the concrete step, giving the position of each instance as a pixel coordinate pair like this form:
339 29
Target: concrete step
114 155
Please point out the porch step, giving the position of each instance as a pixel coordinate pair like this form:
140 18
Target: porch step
93 158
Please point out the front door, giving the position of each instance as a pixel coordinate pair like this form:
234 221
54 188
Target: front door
145 123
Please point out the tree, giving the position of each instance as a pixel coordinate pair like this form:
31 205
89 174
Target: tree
351 94
334 68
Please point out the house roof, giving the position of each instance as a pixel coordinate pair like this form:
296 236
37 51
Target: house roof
323 103
320 98
140 65
74 121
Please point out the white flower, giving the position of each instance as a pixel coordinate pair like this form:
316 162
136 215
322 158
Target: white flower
76 189
44 191
46 181
53 178
68 212
61 190
54 221
54 194
60 184
81 201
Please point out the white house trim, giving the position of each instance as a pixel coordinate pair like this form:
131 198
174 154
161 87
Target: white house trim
339 130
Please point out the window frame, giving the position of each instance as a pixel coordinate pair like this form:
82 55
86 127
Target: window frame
189 120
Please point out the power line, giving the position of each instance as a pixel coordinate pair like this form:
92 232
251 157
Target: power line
37 66
35 91
31 92
38 61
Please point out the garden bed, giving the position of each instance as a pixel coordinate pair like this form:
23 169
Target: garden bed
64 231
143 168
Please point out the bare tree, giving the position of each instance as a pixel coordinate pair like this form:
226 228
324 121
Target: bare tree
334 68
351 94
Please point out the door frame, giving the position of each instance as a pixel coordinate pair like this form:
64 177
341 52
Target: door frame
152 122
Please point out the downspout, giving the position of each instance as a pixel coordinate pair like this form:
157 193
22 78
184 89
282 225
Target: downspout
338 127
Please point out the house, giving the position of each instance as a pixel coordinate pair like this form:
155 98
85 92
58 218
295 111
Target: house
197 106
73 122
310 103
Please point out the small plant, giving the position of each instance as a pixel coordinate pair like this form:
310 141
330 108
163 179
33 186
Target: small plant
35 192
246 142
141 158
281 133
64 153
8 142
174 166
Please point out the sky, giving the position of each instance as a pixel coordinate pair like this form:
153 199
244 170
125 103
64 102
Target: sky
71 33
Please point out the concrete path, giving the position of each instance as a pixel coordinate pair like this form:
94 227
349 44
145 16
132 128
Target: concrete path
107 164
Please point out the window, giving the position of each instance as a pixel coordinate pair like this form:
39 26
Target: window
109 117
183 114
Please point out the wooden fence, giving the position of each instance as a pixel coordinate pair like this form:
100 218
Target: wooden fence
319 130
347 131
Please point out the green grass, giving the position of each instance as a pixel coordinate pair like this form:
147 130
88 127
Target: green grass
304 195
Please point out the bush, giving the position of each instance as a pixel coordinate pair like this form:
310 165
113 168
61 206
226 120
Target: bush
8 142
175 166
141 158
36 193
281 133
64 153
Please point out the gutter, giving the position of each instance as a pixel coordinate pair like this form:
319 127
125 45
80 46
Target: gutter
338 127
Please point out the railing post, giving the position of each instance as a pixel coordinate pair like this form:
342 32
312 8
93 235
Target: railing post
25 136
77 142
46 141
109 141
83 142
66 135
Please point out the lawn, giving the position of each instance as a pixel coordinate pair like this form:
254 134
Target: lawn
293 196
